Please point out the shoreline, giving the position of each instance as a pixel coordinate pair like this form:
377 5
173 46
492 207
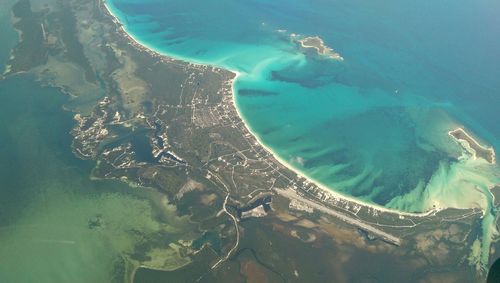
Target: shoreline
152 50
334 194
324 188
322 49
468 138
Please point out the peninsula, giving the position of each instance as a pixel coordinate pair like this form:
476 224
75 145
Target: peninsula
158 122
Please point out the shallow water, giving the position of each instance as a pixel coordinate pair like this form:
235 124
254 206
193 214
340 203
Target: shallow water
47 200
56 225
373 126
340 123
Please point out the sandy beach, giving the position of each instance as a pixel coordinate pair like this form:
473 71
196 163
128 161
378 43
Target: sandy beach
320 47
331 193
459 134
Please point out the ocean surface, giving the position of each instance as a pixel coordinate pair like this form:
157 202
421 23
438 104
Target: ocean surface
373 126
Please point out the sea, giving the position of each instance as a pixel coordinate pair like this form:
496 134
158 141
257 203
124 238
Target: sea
373 126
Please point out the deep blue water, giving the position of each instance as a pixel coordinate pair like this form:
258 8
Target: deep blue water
373 126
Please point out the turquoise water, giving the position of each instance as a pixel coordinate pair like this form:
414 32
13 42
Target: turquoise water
373 126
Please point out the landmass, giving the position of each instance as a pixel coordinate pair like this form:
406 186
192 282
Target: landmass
155 121
472 145
317 43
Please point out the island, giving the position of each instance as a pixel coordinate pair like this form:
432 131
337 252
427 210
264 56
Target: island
158 122
472 145
317 43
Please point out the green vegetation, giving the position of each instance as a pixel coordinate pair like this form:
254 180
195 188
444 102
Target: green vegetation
32 49
207 167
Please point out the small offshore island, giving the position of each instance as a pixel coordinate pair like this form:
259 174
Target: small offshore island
154 121
315 42
473 146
